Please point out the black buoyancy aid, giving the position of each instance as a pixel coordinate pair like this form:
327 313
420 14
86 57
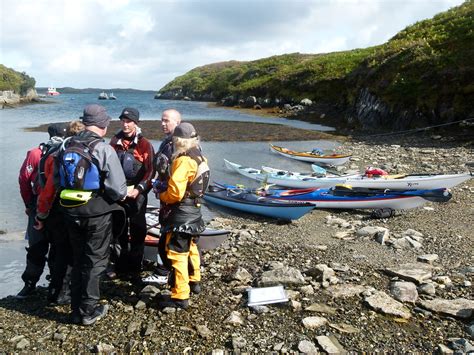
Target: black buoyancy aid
198 186
133 168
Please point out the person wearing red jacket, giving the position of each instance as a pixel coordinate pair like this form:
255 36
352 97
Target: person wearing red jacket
29 189
50 218
136 155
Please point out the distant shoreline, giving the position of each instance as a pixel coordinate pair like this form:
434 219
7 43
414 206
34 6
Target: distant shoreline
228 131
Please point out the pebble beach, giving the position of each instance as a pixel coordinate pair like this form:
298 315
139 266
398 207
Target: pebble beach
354 283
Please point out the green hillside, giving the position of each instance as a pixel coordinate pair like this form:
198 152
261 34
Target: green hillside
427 69
16 81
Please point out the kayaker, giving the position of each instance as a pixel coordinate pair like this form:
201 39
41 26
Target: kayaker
50 217
170 119
30 188
182 220
136 156
92 182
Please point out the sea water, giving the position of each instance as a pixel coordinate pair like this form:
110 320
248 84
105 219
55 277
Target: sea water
15 142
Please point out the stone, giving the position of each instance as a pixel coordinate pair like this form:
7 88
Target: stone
284 275
307 290
416 272
150 328
314 322
321 272
103 348
22 344
295 305
371 232
412 233
458 308
140 305
238 343
320 308
234 319
307 347
133 326
260 309
427 258
330 345
242 275
381 302
404 291
344 328
427 289
345 290
443 349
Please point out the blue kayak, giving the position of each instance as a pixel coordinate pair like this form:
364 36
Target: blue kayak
352 198
249 202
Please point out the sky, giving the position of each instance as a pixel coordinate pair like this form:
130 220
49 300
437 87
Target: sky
144 44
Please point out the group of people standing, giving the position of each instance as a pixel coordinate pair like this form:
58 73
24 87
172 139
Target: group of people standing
86 203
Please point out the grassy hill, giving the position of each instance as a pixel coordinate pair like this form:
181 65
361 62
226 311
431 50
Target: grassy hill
16 81
427 70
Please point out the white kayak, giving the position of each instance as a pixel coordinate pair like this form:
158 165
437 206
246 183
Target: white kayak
332 159
285 178
411 181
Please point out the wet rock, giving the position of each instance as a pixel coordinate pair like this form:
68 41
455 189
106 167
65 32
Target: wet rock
284 275
381 302
307 347
416 272
458 308
314 322
404 291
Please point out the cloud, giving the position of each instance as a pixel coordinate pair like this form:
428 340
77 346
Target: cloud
144 44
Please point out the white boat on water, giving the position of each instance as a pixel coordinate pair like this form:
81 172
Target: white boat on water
52 91
103 96
112 96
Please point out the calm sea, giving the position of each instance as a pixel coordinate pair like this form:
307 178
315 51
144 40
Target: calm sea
15 142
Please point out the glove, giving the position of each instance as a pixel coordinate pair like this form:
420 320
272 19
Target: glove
159 186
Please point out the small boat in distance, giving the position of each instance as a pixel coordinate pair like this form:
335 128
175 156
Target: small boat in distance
112 96
52 91
103 96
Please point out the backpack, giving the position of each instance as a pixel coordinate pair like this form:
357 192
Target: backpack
78 169
48 148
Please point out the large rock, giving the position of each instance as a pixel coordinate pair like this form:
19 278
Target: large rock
459 307
345 290
381 302
416 272
314 322
404 291
283 275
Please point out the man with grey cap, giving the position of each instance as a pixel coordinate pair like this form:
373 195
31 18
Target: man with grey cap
91 182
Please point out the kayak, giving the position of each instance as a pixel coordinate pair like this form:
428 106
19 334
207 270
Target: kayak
392 182
286 178
249 202
354 198
332 159
410 181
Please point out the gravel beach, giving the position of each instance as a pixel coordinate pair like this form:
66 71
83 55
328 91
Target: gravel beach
403 285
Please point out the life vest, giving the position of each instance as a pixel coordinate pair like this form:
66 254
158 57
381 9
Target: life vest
132 167
198 186
78 169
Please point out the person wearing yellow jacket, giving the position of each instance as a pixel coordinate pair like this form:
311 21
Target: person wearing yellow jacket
189 178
